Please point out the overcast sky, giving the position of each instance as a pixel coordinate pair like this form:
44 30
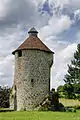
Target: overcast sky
58 23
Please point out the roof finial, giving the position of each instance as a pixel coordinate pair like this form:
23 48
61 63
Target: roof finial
33 32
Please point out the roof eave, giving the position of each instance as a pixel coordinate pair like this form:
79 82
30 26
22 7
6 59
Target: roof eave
32 49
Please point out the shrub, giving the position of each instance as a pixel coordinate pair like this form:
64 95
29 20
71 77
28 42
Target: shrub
77 107
70 109
78 96
43 108
74 110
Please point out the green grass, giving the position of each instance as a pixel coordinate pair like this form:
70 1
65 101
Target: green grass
36 115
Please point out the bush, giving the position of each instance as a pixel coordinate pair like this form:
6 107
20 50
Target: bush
69 91
4 96
70 109
77 107
74 110
43 108
60 88
78 96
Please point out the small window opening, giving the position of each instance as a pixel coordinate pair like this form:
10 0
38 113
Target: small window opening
32 82
19 53
15 88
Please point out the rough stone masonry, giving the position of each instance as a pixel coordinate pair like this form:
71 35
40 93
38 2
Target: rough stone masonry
33 61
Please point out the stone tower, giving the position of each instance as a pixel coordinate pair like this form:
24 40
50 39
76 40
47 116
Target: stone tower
33 61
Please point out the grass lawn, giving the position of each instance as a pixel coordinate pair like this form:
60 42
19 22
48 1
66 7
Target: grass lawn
36 115
69 102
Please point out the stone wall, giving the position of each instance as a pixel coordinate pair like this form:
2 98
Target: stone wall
32 78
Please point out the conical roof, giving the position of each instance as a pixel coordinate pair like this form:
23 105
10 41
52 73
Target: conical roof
33 43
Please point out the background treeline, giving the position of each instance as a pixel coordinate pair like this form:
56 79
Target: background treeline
73 73
4 96
69 91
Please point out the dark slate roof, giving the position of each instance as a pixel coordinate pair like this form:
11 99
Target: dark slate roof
33 30
33 42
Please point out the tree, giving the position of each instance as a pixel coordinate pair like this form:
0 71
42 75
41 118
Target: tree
4 97
60 88
68 91
73 75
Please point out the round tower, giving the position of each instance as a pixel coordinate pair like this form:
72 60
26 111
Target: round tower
33 61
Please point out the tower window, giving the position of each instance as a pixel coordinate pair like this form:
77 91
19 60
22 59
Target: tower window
19 53
15 87
32 82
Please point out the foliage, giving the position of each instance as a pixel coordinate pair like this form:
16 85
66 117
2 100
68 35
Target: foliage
73 75
60 88
69 91
76 88
78 96
4 97
72 79
70 109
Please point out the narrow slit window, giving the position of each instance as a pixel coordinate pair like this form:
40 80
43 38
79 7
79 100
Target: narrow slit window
32 82
15 87
19 53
